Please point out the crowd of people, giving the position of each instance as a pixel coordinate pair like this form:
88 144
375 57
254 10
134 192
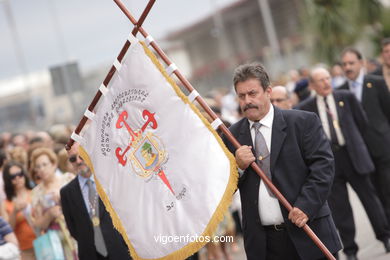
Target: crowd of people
44 189
34 167
38 197
352 101
40 181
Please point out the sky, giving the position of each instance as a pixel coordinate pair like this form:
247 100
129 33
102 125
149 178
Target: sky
50 32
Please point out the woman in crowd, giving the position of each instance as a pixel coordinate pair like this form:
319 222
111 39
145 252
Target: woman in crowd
18 193
46 210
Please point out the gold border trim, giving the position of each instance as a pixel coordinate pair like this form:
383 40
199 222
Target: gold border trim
223 206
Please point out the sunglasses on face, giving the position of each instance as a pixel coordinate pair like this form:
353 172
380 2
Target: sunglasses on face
18 174
73 158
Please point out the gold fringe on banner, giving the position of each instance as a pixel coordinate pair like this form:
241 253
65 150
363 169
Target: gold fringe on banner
222 208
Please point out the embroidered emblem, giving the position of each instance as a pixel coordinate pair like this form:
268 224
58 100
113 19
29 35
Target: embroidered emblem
145 150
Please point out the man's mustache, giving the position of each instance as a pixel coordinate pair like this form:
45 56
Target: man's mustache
250 106
84 171
348 71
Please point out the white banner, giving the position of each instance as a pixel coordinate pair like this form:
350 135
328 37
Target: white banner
164 175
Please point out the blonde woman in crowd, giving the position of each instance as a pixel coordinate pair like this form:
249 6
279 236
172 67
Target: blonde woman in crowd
31 171
46 210
18 195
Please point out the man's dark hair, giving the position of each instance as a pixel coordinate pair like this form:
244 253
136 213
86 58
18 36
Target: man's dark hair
385 42
352 50
251 71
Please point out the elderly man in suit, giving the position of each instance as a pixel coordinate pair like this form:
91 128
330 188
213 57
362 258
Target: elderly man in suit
291 147
344 122
374 96
86 217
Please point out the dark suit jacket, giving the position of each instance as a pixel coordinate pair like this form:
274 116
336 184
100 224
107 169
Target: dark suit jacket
353 124
376 104
302 169
80 225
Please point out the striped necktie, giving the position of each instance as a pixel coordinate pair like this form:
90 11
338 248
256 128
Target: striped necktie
94 214
262 153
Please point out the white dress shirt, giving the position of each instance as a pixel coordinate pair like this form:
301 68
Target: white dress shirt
324 119
356 86
269 208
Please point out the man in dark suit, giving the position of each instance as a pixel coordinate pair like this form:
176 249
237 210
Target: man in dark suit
301 164
374 96
87 219
344 121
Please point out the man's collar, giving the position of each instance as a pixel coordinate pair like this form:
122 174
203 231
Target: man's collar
359 79
323 97
266 120
84 180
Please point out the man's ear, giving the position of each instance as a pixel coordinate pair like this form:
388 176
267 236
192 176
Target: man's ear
269 91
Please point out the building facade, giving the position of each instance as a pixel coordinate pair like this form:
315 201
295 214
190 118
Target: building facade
236 34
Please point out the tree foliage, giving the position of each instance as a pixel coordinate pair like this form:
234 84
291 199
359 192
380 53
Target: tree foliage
382 29
335 24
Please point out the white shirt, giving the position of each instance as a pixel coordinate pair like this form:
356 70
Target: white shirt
324 119
269 208
356 86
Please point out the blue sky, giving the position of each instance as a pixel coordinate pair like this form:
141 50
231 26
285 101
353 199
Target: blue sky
93 30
